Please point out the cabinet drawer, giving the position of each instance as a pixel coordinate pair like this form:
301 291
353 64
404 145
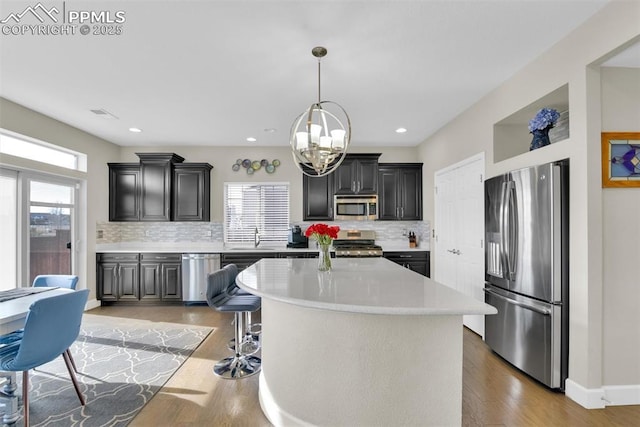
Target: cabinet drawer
160 257
407 256
117 257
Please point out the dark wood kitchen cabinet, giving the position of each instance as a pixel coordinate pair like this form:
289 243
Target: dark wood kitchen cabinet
417 261
156 173
317 198
400 191
191 192
245 259
153 190
161 276
358 174
124 191
138 278
117 277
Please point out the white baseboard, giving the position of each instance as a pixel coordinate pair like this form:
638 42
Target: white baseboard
588 398
622 395
94 303
598 398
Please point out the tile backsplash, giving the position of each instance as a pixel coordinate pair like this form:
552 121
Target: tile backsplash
203 232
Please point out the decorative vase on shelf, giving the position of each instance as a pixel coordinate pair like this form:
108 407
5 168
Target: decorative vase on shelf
324 257
540 138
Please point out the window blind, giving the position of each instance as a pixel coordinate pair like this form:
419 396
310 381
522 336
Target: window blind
250 206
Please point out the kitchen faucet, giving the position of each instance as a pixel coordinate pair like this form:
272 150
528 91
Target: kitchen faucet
256 237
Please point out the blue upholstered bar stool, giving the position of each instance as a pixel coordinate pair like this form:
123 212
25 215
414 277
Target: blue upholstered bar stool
240 365
251 341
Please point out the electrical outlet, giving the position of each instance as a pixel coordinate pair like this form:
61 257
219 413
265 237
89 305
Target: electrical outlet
207 233
147 233
99 234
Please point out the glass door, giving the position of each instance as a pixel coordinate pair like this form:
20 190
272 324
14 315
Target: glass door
51 225
8 229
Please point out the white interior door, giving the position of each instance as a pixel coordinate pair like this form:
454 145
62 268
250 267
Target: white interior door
459 231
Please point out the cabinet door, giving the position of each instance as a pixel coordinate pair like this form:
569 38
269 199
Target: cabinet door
156 191
317 198
388 208
171 282
410 193
124 192
191 192
344 178
367 176
128 282
107 283
150 280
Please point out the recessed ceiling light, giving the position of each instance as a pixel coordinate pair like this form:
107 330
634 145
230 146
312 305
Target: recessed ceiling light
401 130
135 130
251 139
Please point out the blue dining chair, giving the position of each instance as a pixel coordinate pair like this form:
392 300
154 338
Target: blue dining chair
56 281
52 325
68 281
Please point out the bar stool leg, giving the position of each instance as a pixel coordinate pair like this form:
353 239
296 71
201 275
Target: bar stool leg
240 365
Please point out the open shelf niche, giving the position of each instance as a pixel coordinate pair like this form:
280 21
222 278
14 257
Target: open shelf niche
511 135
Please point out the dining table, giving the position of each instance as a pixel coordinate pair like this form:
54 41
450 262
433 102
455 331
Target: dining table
13 312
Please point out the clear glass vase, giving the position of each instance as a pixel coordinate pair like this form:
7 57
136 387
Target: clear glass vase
324 257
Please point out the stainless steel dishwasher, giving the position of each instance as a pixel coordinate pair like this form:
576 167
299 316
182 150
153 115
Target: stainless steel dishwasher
195 268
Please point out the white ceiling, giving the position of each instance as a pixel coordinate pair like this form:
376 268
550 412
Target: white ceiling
217 72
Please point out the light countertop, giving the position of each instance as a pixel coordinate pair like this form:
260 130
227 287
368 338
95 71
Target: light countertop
356 285
219 247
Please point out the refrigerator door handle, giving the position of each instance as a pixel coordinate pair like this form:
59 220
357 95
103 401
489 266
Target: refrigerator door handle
506 228
519 304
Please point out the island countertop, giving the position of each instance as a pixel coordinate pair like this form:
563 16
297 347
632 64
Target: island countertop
356 285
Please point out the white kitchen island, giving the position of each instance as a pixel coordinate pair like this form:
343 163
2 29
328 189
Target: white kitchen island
368 343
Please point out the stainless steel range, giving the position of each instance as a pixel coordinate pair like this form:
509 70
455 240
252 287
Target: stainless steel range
356 243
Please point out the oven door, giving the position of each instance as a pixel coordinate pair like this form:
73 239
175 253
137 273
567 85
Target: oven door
355 208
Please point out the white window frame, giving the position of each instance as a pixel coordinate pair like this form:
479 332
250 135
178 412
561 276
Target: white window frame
272 226
17 145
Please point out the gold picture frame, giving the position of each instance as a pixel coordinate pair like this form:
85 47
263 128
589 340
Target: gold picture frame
620 159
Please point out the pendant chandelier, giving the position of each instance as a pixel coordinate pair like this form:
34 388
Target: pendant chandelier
320 136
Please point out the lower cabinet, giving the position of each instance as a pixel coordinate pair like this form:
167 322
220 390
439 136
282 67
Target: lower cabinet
245 259
136 278
417 261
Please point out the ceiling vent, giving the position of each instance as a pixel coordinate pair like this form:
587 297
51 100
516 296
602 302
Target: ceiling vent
103 113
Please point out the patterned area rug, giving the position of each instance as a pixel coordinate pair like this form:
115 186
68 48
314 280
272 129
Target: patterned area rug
121 364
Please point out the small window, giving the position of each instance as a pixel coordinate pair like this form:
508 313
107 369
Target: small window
251 206
32 149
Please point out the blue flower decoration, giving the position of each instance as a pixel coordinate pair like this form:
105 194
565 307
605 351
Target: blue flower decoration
546 117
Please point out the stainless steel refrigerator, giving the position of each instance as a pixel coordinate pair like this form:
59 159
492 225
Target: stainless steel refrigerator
527 269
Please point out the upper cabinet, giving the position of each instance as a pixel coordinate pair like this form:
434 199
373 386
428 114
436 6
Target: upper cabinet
124 191
317 198
358 174
191 191
159 188
400 191
156 171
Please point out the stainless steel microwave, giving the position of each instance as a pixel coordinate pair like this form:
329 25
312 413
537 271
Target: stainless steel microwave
355 208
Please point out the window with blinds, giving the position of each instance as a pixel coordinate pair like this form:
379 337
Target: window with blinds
249 206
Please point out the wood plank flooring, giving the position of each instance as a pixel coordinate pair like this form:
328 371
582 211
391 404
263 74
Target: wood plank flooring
494 393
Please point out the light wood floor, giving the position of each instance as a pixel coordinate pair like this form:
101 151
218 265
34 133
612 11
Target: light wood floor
494 393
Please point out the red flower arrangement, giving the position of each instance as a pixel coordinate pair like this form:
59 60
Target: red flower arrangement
323 233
